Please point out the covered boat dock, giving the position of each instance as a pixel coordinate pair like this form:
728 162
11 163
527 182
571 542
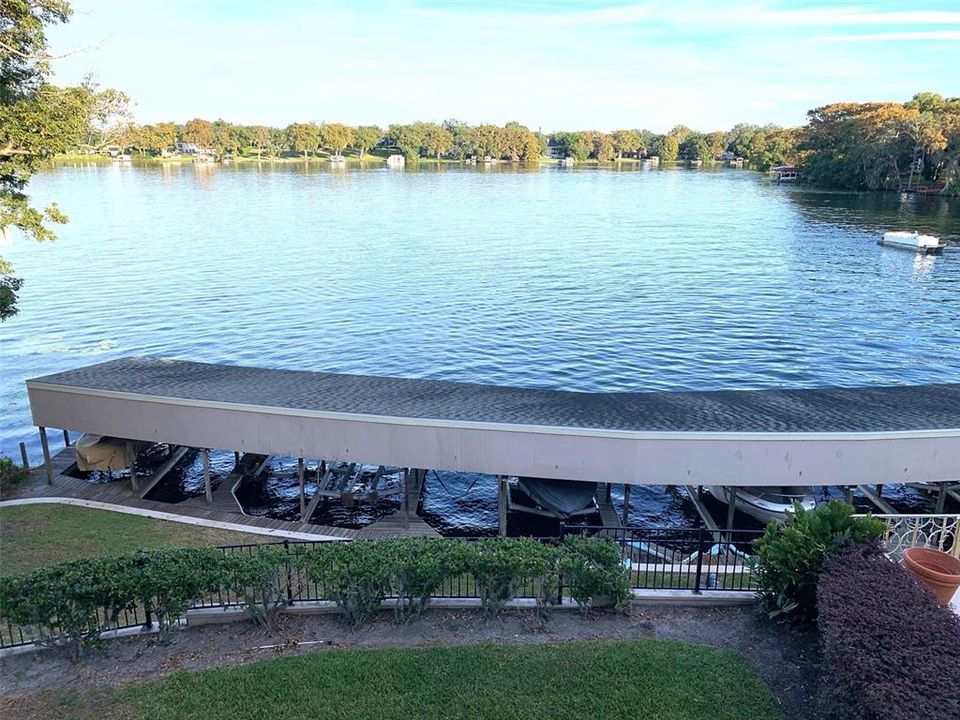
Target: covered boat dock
832 436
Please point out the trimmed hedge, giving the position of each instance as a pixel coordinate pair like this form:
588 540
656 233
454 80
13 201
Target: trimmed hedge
890 650
72 603
789 556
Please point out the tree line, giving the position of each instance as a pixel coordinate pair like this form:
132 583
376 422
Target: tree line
856 146
760 146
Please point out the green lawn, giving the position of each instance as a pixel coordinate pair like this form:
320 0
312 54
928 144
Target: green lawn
641 679
36 535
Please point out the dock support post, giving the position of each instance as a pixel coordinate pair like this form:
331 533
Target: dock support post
626 503
849 495
731 509
406 496
66 438
132 454
236 458
501 506
24 458
303 492
48 464
207 490
941 499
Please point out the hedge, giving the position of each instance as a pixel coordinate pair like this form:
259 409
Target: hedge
72 603
890 650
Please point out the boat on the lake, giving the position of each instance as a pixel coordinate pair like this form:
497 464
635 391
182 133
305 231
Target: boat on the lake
766 503
559 499
913 241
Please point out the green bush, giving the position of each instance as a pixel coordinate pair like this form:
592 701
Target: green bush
419 567
11 474
68 604
165 582
789 556
502 567
355 575
594 568
258 580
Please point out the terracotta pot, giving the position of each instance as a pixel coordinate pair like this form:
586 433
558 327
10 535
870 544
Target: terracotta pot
936 569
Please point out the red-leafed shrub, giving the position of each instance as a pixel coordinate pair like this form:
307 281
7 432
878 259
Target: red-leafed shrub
890 651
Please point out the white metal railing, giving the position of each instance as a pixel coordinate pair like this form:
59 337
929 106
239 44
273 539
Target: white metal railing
935 531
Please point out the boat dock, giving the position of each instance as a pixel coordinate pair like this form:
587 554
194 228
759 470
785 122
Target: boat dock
831 436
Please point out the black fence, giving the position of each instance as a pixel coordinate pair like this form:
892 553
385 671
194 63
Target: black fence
694 559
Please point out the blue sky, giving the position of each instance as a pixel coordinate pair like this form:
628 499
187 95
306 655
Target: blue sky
548 64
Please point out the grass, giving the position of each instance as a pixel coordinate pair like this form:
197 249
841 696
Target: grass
578 680
668 680
35 535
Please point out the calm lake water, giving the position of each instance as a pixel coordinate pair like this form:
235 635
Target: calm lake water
586 279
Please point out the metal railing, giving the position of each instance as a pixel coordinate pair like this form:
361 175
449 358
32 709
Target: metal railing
941 532
695 559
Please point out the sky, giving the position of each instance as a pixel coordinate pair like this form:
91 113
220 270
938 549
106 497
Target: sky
549 64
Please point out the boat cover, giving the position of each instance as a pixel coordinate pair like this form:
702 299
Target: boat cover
95 452
564 497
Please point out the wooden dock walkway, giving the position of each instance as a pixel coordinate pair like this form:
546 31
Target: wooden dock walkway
225 508
404 522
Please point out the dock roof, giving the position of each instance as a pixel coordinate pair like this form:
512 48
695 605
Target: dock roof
734 437
859 409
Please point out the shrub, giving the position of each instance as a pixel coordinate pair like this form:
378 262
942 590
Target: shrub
165 582
258 580
419 567
502 567
890 650
68 604
593 567
790 555
11 474
355 575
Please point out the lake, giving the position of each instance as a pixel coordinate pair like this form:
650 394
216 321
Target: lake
587 279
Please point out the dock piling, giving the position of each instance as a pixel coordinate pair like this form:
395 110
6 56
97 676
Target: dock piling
45 446
24 458
66 438
501 506
626 503
132 454
303 496
207 489
731 509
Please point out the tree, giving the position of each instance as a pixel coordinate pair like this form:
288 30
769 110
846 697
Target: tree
109 116
626 141
408 139
303 137
37 120
666 147
228 138
336 137
576 145
602 147
260 136
366 137
436 140
696 147
198 132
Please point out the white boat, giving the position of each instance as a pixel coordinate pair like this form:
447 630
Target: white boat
927 244
766 503
396 161
337 159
